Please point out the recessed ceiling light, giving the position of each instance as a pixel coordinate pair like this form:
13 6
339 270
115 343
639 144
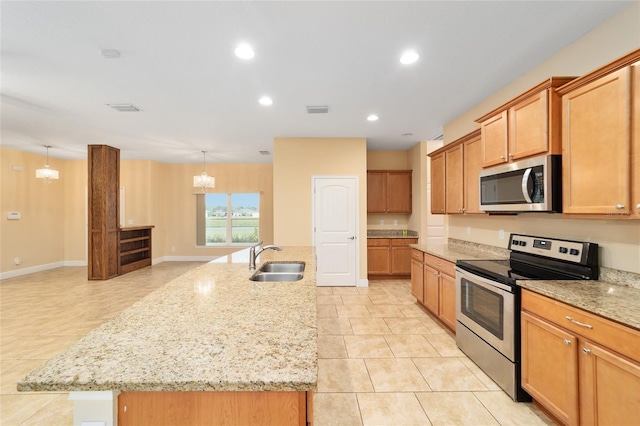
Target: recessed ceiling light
265 100
244 51
372 117
409 57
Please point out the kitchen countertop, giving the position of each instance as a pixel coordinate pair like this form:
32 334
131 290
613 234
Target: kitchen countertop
620 303
391 233
211 329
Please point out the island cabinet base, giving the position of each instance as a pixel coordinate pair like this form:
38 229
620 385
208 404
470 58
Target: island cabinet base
215 408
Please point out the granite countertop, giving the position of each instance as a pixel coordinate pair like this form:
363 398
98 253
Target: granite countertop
612 301
391 233
620 303
211 329
460 250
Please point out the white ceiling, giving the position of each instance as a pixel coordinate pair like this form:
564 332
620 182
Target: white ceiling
177 65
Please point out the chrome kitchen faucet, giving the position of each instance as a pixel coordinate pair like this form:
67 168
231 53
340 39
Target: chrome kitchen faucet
253 253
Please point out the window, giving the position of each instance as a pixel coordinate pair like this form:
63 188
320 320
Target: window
228 219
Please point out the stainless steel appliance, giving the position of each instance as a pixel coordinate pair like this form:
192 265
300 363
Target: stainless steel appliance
488 300
533 185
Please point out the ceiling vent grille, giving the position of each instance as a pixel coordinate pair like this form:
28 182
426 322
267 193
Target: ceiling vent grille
124 107
264 152
317 109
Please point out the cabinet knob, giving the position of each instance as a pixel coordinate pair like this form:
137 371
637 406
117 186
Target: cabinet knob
619 206
510 155
566 341
638 206
586 351
502 157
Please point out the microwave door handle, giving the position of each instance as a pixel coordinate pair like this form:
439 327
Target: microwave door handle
525 181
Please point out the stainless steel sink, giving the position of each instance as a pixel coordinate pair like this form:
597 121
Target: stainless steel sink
282 267
276 276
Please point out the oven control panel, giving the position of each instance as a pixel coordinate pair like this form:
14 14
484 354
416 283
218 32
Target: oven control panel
573 251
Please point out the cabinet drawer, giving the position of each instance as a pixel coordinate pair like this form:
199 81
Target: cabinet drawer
403 241
619 338
377 242
442 265
417 255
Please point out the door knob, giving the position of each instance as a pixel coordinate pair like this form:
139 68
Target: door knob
351 238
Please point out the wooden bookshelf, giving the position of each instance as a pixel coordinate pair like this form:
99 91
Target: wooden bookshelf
134 248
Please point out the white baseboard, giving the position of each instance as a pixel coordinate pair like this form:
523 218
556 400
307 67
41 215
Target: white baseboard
363 282
31 270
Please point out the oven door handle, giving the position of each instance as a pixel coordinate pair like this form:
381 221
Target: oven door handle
483 282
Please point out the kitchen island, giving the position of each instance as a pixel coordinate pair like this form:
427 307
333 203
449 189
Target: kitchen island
209 346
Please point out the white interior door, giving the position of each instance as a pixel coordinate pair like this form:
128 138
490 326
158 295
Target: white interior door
336 230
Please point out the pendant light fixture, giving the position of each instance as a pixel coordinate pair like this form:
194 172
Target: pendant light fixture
47 173
204 181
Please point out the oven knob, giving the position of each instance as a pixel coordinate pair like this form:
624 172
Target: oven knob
523 243
574 252
563 250
516 242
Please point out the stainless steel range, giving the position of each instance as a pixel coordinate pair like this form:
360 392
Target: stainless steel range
488 300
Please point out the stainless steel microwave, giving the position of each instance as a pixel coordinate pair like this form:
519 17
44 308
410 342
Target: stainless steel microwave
533 185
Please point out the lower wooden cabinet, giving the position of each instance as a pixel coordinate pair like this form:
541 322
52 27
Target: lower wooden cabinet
585 370
433 284
389 257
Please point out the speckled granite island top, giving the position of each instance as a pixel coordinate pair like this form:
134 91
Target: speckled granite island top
210 329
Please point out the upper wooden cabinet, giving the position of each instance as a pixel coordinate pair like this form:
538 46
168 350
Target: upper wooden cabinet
454 176
601 141
389 191
526 126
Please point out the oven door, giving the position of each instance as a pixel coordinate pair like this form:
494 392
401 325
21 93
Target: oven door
487 308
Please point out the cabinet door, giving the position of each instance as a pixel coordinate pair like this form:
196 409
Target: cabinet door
417 276
609 387
437 184
635 140
550 367
494 140
472 167
596 146
399 192
401 256
376 192
528 127
431 289
454 180
448 300
378 261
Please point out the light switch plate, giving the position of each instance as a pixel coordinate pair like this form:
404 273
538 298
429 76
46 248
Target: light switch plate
14 215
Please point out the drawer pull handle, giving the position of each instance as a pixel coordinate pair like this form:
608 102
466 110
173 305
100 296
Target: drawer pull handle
586 351
581 324
567 341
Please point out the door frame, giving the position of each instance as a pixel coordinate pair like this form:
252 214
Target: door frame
314 179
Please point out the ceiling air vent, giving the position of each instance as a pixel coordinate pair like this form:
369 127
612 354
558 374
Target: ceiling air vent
317 109
124 107
264 152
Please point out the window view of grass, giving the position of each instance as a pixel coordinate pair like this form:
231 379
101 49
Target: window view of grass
242 224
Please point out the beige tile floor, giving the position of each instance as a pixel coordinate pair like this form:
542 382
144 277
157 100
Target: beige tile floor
382 359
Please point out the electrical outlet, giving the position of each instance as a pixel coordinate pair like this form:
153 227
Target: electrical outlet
395 222
381 221
173 249
468 230
17 260
501 234
130 222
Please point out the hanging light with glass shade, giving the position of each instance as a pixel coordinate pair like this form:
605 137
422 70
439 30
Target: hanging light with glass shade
204 181
47 173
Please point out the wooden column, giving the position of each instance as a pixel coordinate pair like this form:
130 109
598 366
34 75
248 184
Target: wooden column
104 187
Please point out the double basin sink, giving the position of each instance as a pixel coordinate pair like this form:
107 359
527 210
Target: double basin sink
279 271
